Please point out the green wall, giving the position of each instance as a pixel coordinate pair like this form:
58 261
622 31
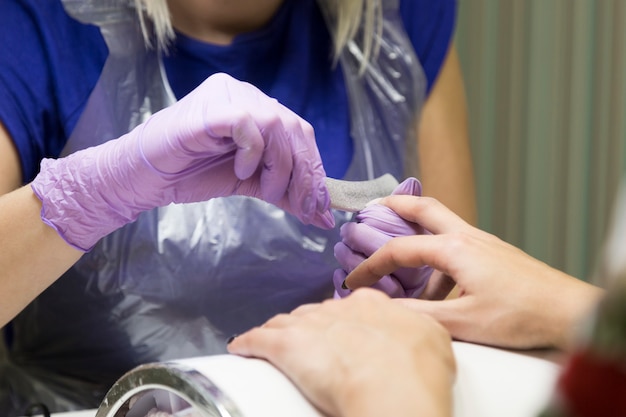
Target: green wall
546 90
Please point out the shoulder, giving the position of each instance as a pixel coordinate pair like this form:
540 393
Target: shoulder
50 62
430 25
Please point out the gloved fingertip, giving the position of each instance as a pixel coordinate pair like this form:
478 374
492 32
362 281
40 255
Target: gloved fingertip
343 291
410 186
339 277
246 163
323 202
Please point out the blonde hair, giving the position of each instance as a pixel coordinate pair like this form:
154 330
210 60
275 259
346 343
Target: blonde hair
355 21
358 21
158 13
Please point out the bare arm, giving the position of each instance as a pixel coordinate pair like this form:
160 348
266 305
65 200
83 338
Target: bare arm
32 255
444 151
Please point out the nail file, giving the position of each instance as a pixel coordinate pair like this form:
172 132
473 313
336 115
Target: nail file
352 196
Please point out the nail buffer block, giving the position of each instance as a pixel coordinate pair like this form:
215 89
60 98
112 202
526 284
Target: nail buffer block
352 196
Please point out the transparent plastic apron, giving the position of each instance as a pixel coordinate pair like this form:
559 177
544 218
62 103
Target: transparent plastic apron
182 279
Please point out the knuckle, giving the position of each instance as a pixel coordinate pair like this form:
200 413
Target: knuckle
307 128
426 203
276 320
219 76
393 248
457 242
367 295
270 123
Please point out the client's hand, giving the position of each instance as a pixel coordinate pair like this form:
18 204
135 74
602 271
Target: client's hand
376 225
224 138
359 356
507 298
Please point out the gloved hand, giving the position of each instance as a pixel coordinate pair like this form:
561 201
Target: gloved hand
375 225
224 138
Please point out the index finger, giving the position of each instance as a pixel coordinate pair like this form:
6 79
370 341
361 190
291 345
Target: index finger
427 212
406 251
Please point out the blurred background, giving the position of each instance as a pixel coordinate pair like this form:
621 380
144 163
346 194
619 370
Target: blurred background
546 90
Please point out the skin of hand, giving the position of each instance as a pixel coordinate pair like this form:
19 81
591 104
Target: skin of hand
507 298
359 356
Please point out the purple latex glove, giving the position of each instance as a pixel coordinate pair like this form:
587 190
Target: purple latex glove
224 138
375 225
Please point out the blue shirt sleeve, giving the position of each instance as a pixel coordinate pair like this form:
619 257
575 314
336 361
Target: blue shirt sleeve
49 63
430 25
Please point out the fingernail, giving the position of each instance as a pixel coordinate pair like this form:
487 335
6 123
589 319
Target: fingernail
230 339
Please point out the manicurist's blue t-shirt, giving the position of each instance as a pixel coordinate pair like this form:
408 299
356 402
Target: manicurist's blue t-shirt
49 64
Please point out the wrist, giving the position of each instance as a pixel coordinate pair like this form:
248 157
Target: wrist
92 192
398 389
583 299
